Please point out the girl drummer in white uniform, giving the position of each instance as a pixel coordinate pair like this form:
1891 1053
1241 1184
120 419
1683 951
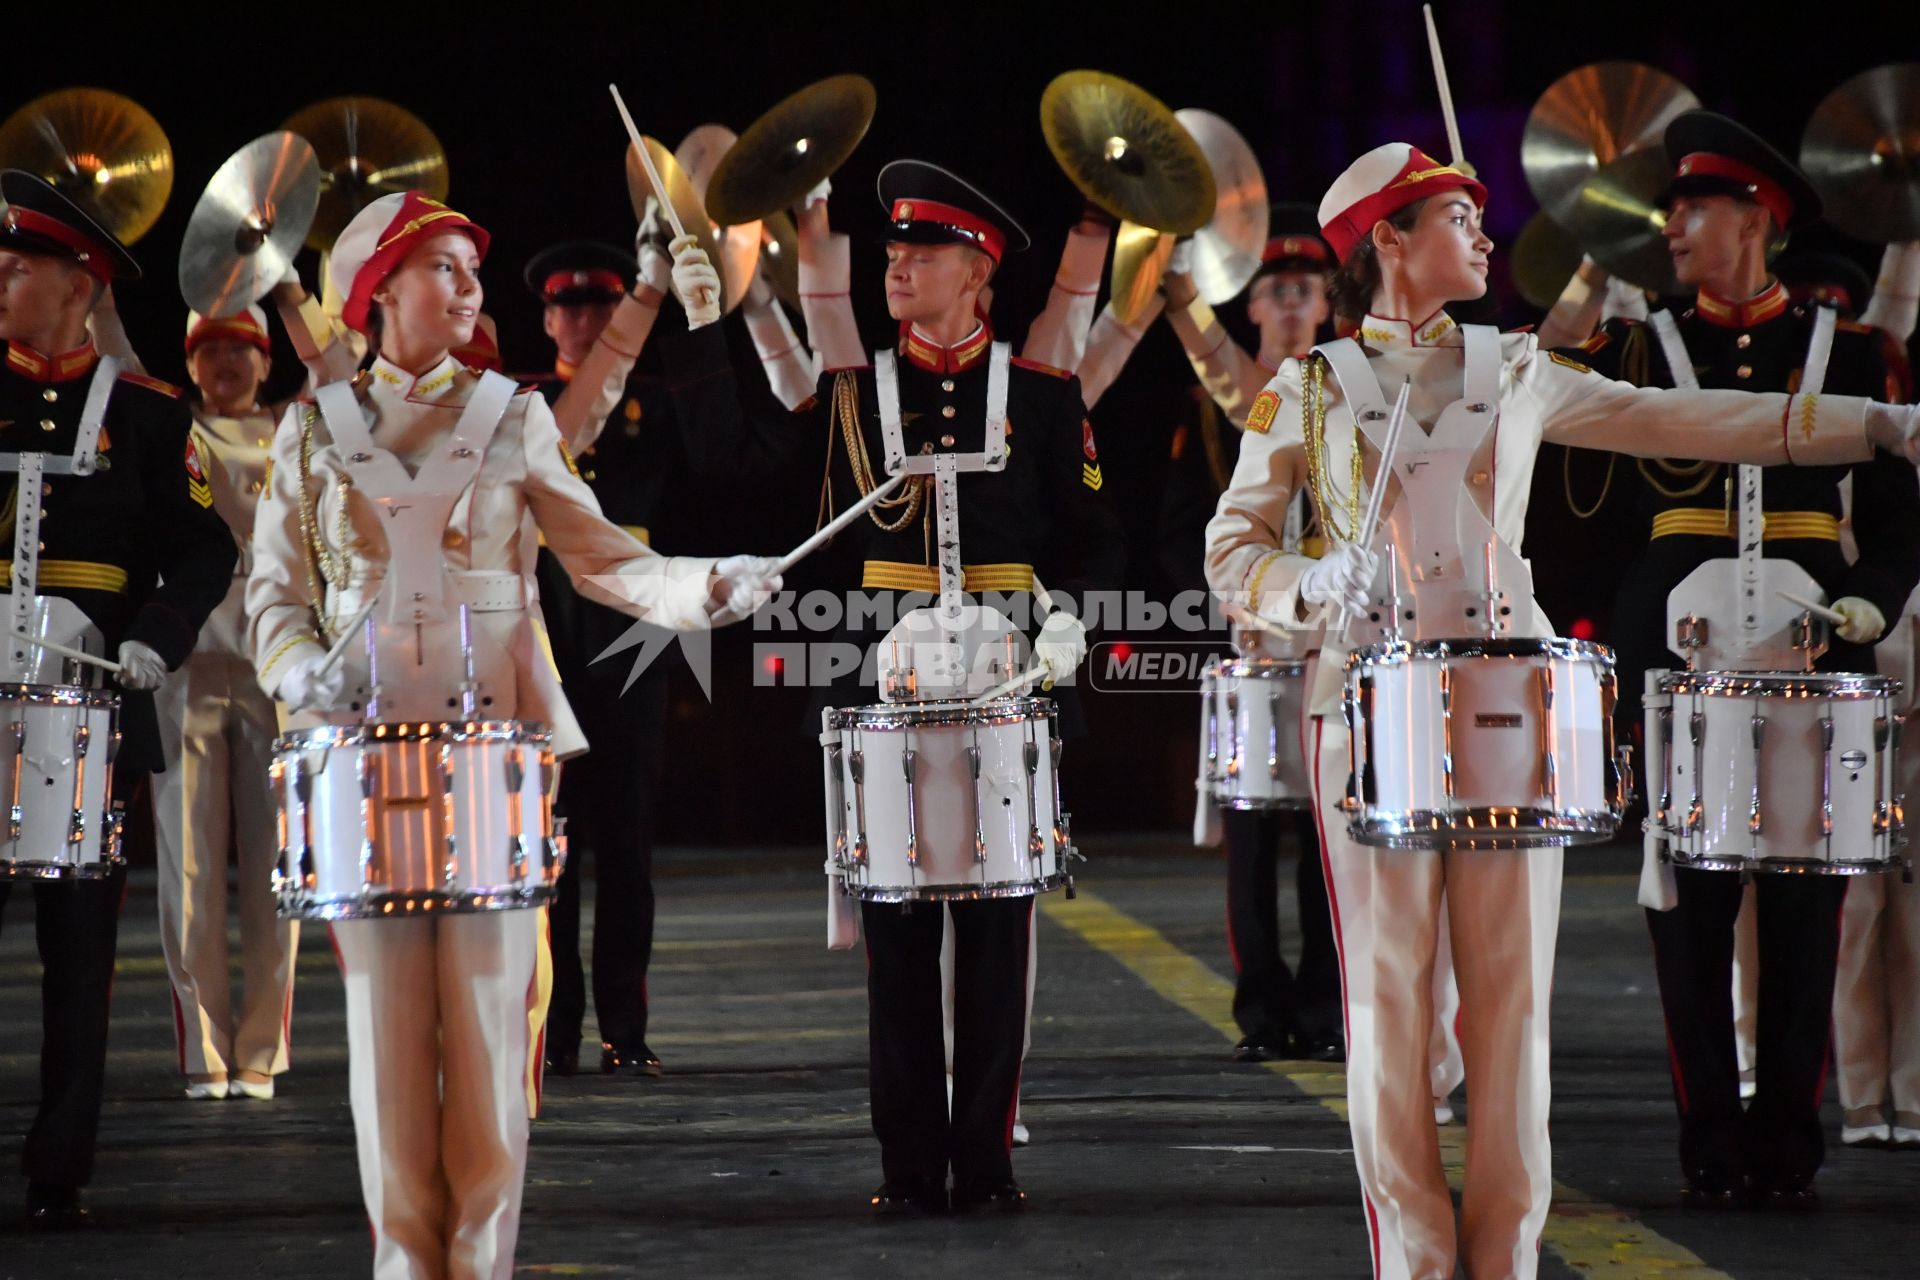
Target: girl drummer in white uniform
442 1027
1407 231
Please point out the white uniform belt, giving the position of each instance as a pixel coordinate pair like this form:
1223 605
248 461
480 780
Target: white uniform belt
481 592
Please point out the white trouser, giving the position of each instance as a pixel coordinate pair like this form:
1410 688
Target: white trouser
1448 1069
218 731
1503 914
440 1041
1876 1005
946 995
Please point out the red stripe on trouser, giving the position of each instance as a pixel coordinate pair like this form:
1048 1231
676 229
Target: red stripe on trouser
180 1031
286 1006
1340 949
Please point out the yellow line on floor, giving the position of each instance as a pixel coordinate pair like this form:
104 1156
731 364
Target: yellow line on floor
1588 1234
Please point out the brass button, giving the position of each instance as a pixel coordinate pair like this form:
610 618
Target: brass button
946 411
1744 371
49 395
1744 341
255 487
46 424
589 476
263 442
454 538
46 488
946 384
43 546
946 441
1480 477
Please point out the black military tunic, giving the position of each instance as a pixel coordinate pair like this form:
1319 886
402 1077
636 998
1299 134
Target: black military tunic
1761 345
138 547
1046 511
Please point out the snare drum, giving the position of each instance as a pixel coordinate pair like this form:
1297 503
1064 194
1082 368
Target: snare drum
1250 717
1483 744
946 801
387 820
1774 771
57 744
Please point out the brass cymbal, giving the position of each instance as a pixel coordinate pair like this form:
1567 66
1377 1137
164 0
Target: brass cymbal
680 194
1126 152
1591 117
248 224
699 154
1139 260
102 151
1226 251
366 148
1617 219
799 143
1544 257
1861 151
780 257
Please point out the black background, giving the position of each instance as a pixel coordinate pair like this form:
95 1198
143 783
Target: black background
518 98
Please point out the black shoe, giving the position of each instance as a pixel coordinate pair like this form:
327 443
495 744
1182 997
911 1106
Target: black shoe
563 1062
909 1198
989 1195
1262 1048
1326 1046
1713 1191
54 1206
638 1061
1787 1195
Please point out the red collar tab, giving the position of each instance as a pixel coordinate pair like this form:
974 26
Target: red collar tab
90 253
1769 304
984 234
1769 194
30 364
564 369
935 358
600 280
1283 247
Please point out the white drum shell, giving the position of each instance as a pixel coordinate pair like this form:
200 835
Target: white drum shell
896 841
387 820
1251 712
1792 802
1483 744
57 744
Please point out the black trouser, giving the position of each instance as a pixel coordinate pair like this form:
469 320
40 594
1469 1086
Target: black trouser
608 797
918 1137
1778 1140
76 923
1269 1001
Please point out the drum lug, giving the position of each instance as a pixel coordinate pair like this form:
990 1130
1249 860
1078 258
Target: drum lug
908 759
1549 736
1030 750
1234 745
1273 737
837 793
19 769
82 742
113 745
1060 838
979 832
1759 726
857 767
1211 693
1446 728
1826 780
1622 778
1697 730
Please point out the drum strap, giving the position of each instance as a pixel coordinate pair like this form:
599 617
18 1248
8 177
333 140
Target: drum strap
417 506
33 468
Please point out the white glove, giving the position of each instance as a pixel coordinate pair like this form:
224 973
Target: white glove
818 195
695 282
740 585
1624 301
291 276
656 269
1341 577
1060 646
1864 622
306 687
1181 261
651 228
759 293
140 666
1894 427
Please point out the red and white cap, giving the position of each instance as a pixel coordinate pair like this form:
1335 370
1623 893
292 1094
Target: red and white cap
250 327
1381 183
379 239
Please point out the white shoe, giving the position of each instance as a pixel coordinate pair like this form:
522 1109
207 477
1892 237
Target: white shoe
1870 1135
1748 1088
1021 1138
207 1090
1905 1137
262 1092
1442 1111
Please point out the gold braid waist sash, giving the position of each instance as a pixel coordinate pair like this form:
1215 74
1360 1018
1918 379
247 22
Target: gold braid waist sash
896 575
1712 522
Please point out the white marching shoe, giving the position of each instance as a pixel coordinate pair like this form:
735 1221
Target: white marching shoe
1866 1135
207 1090
261 1091
1442 1111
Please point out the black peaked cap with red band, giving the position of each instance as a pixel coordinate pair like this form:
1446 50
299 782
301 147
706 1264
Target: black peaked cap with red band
1294 243
580 271
1714 156
39 220
926 204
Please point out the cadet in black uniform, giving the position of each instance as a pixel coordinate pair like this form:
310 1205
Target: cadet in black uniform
1732 196
609 794
137 546
1045 514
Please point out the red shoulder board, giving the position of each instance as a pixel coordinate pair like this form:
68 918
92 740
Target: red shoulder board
808 405
152 384
1852 326
1525 328
522 389
1263 410
1596 342
1037 367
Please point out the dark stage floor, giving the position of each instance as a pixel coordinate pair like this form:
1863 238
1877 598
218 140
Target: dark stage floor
1151 1155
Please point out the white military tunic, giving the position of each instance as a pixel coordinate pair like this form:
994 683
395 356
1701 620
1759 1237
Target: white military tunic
1502 907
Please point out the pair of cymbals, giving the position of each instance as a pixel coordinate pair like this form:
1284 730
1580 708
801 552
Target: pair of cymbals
1127 153
684 197
1861 150
737 248
365 148
102 151
798 144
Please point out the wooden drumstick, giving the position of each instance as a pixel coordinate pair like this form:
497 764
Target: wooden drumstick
1246 617
1834 616
1446 93
839 522
1370 525
647 166
1006 687
81 654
